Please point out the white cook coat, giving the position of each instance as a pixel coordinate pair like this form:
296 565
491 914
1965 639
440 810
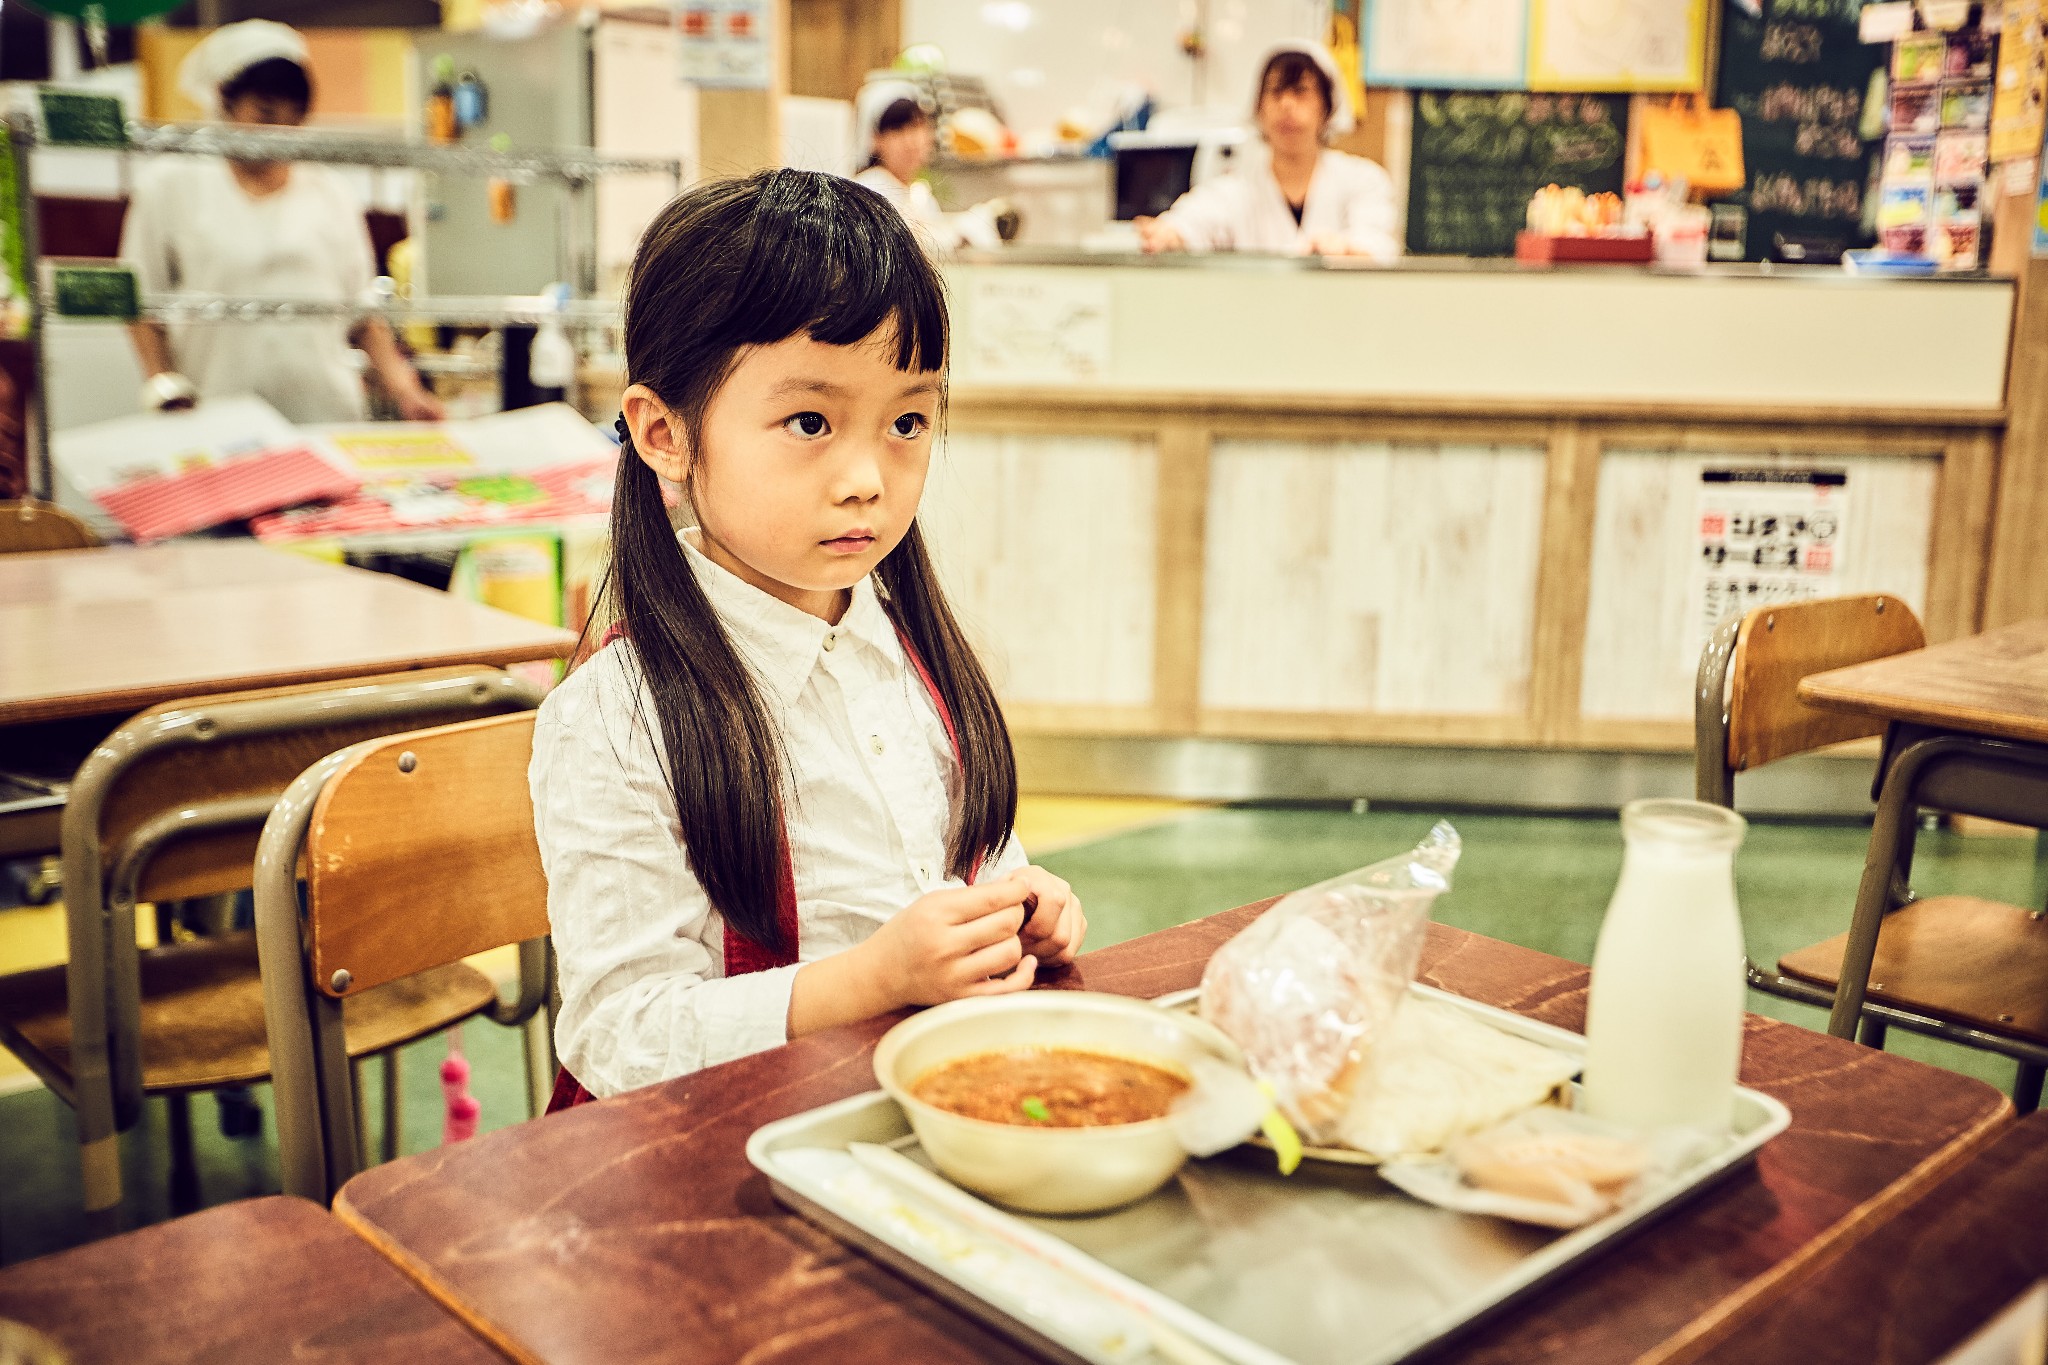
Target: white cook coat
1244 210
192 228
640 950
975 227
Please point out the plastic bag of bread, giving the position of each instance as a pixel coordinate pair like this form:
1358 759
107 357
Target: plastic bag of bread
1306 988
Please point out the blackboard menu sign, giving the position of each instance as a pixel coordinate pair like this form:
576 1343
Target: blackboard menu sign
1478 157
1798 75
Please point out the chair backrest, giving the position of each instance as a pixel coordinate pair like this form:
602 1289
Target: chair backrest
29 525
1748 711
252 744
172 804
421 852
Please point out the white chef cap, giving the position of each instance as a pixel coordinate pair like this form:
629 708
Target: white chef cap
872 102
1341 120
227 52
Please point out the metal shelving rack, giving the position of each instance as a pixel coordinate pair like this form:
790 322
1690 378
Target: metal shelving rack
576 167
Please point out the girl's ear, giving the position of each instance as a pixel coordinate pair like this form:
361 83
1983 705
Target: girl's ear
658 436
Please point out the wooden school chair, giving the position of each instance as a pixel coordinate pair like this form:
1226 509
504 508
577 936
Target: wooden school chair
418 852
169 807
1970 970
28 525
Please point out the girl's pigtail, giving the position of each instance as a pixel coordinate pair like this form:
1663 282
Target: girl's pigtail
988 766
720 752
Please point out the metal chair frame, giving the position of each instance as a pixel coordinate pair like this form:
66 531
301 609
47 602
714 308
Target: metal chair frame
319 1146
1963 774
103 973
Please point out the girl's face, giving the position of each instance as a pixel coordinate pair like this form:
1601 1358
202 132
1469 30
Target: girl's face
811 466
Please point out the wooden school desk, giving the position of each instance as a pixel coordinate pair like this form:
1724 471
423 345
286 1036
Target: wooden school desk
90 637
258 1281
1968 731
1911 1288
635 1229
98 632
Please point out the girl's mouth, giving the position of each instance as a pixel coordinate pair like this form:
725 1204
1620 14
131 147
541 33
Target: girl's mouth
852 544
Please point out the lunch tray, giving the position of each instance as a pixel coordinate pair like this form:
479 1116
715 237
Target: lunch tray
1232 1262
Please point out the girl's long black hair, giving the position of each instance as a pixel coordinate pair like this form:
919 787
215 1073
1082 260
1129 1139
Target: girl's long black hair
729 265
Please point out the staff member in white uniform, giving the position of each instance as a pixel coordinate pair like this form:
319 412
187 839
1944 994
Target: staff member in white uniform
258 228
1296 196
895 128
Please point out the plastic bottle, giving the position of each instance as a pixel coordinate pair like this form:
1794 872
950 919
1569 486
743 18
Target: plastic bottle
442 126
552 364
1664 1020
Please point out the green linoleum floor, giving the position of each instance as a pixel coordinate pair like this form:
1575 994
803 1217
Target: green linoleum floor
1541 881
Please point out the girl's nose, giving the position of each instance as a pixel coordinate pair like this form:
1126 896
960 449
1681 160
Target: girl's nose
859 477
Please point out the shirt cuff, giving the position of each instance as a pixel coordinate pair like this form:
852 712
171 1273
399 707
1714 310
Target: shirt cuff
751 1013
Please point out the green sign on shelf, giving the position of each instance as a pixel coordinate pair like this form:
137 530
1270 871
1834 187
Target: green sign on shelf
96 291
75 119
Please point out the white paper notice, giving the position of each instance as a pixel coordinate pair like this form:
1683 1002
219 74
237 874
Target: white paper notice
725 44
1034 331
1766 535
1616 44
1447 42
1885 22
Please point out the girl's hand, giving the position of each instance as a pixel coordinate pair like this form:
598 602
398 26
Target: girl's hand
1054 930
954 943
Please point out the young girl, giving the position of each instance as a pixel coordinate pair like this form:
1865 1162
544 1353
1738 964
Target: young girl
781 797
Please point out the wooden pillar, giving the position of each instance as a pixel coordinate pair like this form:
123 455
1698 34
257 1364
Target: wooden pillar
2017 586
740 131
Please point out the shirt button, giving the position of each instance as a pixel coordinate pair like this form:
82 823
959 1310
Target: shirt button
875 744
830 641
924 872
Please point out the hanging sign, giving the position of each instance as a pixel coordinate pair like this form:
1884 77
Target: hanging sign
726 44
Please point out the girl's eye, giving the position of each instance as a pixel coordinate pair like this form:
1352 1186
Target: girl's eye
910 424
809 425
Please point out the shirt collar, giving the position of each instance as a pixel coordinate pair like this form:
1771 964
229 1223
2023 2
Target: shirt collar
783 642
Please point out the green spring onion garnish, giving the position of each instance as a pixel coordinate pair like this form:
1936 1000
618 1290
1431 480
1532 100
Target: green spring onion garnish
1035 1110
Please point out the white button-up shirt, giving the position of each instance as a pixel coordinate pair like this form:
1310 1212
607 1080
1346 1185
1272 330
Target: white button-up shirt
870 789
1244 209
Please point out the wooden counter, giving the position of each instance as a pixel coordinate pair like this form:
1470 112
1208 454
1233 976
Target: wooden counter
1446 505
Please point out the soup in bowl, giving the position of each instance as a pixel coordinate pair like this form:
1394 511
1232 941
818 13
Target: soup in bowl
1048 1101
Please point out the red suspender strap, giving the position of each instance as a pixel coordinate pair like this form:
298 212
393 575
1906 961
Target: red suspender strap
742 954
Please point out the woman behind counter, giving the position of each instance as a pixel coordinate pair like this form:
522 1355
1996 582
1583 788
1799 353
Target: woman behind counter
896 130
259 228
1297 196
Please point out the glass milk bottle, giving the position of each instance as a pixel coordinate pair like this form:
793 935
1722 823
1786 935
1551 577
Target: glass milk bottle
1664 1021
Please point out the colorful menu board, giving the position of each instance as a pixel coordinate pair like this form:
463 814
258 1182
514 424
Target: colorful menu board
1477 158
1798 73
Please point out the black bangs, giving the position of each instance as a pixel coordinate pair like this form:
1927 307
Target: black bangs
836 260
731 264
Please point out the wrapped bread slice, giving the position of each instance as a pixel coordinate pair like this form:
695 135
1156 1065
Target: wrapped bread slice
1306 988
1437 1074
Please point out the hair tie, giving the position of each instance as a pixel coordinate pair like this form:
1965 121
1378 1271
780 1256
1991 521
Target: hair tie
625 432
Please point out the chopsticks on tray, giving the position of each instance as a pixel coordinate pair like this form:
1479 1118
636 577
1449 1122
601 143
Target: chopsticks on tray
1167 1341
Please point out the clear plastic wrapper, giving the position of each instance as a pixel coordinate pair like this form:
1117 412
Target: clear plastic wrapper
1307 988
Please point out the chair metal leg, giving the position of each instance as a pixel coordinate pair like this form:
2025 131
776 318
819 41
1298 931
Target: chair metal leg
2026 1086
361 1110
392 1094
184 1162
1871 1033
537 1041
1891 841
